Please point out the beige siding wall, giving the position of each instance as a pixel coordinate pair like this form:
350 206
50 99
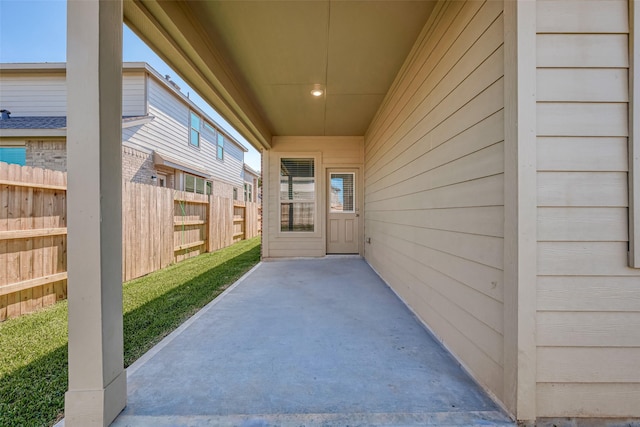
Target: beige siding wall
328 152
588 330
434 162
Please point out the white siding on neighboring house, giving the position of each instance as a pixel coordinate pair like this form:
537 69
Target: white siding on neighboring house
230 169
588 331
133 94
34 94
434 163
168 134
46 94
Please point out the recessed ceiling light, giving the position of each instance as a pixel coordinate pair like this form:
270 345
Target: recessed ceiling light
317 90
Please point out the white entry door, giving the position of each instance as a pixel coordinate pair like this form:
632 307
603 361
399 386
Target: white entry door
342 212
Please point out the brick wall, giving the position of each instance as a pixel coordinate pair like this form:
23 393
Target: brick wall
46 154
137 166
224 189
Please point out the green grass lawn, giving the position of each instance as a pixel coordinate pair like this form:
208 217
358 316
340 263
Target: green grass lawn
33 348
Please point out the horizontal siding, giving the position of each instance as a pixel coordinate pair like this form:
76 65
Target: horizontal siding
586 189
588 364
583 84
29 95
588 299
588 293
619 400
582 50
168 133
588 329
134 101
578 224
584 258
46 94
582 119
601 154
571 16
488 219
434 163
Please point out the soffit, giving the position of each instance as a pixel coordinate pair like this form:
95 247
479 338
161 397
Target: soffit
280 49
271 53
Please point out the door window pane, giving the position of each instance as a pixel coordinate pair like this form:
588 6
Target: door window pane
342 192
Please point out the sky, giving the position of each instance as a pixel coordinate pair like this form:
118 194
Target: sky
35 31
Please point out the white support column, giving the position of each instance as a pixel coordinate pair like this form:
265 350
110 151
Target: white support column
97 380
520 204
266 203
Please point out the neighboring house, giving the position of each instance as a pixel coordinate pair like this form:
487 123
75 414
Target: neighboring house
252 191
495 150
166 139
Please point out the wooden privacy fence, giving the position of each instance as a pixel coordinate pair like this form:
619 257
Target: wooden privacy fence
33 239
160 226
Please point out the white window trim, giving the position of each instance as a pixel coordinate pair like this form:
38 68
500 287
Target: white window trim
634 136
319 189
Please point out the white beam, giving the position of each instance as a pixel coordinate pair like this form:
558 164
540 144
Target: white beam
97 380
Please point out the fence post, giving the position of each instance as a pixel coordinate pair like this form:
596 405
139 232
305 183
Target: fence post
210 224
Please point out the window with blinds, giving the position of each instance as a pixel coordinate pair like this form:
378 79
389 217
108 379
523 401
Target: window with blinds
297 194
342 192
195 184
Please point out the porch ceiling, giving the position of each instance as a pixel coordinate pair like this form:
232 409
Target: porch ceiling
257 61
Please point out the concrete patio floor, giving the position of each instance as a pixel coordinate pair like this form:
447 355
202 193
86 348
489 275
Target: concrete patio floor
319 342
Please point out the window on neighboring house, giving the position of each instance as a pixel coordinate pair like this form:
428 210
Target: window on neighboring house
248 196
13 154
220 152
297 194
194 135
196 184
210 128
